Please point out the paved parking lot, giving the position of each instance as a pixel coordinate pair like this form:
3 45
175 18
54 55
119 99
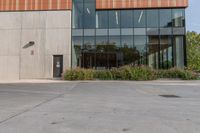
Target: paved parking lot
100 107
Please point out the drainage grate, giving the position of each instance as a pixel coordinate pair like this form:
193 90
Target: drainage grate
170 96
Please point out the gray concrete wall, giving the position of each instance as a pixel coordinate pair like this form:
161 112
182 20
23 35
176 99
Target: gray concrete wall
51 32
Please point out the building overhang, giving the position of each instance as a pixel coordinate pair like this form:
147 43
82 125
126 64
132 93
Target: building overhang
138 4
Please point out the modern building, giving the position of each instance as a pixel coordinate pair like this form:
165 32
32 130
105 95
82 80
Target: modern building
41 38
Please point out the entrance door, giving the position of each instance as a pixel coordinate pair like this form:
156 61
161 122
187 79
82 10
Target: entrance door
57 65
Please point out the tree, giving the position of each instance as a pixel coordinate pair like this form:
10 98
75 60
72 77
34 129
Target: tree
193 50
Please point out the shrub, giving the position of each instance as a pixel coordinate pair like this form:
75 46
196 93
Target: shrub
89 74
143 73
74 74
177 73
123 73
128 73
103 75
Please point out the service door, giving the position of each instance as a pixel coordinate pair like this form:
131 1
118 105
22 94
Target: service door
57 65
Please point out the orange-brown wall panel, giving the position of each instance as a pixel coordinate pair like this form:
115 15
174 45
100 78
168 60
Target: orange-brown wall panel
123 4
23 5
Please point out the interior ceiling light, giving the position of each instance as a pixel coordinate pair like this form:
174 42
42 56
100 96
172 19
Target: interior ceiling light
141 14
88 10
117 19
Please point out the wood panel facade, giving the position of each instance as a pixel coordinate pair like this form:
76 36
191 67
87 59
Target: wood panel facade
124 4
26 5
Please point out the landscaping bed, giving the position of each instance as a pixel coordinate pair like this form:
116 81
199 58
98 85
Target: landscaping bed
141 73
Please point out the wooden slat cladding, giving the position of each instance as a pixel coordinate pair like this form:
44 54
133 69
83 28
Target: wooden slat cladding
25 5
123 4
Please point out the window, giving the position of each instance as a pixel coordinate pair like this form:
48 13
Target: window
78 14
101 54
152 18
165 18
178 49
127 49
89 14
126 18
114 43
102 19
139 18
77 44
153 51
178 17
140 47
114 19
165 52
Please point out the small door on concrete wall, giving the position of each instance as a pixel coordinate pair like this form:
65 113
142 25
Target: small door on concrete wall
57 65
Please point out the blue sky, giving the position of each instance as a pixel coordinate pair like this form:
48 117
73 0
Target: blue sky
193 16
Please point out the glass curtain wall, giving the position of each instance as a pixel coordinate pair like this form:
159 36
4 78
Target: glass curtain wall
104 39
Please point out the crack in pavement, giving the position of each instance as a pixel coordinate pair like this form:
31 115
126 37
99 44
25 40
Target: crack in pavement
44 102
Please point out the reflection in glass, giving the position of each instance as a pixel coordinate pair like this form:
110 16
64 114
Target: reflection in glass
152 18
126 18
77 14
178 17
140 46
165 18
89 14
139 18
178 50
129 52
88 52
102 19
153 51
77 45
114 19
101 54
165 52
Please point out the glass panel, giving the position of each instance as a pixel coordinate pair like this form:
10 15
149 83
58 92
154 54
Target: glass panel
126 18
89 32
129 52
178 17
88 52
114 43
89 14
77 44
140 50
178 49
165 52
127 31
114 31
101 32
77 32
101 55
179 31
165 18
152 31
165 31
153 51
114 19
102 19
139 31
115 58
77 14
152 18
139 18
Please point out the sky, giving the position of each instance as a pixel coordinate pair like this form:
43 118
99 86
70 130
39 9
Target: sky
193 16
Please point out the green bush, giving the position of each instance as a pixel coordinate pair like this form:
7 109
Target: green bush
177 73
129 73
123 73
103 75
143 73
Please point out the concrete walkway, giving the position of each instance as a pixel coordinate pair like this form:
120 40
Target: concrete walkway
99 107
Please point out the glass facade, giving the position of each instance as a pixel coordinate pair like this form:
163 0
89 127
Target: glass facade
104 39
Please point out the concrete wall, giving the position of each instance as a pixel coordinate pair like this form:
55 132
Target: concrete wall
51 32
